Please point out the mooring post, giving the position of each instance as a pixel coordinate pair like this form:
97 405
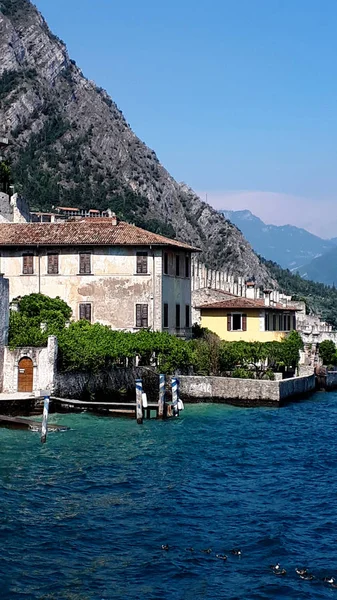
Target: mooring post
139 407
44 426
175 396
161 402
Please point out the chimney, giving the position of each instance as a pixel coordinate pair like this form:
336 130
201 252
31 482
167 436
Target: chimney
250 290
114 219
267 294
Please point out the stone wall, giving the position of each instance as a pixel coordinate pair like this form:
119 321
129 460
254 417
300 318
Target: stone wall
44 362
112 385
243 392
4 315
331 380
14 209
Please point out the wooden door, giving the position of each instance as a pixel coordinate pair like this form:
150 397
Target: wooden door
25 377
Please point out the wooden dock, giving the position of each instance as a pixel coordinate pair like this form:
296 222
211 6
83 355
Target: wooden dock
22 423
106 408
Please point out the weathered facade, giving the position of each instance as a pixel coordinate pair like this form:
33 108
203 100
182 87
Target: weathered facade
29 370
4 313
107 271
13 209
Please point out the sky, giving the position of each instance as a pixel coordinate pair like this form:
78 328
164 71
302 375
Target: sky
237 97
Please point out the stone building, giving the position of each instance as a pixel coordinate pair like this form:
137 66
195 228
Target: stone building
13 209
108 271
4 314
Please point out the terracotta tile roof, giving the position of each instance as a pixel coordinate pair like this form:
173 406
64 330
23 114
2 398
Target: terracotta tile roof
244 303
93 232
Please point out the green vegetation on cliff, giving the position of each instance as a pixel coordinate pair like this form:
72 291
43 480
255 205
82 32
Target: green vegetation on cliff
320 299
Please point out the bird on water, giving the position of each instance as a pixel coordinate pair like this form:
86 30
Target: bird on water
277 569
222 556
236 552
164 546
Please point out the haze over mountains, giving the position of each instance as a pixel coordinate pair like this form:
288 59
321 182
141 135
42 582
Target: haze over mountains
71 145
291 247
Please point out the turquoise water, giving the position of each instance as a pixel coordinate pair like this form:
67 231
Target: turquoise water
84 516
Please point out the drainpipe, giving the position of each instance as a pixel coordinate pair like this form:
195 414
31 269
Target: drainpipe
38 268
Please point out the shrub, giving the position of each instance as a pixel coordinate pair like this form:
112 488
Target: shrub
327 352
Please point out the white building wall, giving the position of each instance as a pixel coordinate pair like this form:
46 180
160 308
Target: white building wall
113 288
44 366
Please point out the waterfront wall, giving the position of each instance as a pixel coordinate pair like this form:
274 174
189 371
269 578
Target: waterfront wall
111 385
44 366
331 380
243 392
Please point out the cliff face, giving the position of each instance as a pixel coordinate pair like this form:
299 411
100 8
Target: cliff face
70 145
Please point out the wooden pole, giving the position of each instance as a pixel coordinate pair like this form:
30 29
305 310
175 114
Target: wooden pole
161 402
44 427
175 396
139 406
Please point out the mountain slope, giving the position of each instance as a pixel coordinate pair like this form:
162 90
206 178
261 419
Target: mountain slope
320 299
322 269
71 145
289 246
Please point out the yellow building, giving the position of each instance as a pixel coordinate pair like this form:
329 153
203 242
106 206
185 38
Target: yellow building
249 320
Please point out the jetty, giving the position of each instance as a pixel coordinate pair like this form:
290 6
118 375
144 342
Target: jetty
22 423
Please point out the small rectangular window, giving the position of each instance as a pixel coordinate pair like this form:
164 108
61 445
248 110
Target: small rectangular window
85 312
178 316
28 264
142 316
187 266
85 263
166 267
142 263
237 322
166 323
187 316
53 264
177 265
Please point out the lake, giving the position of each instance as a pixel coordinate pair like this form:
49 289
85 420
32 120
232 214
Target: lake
84 517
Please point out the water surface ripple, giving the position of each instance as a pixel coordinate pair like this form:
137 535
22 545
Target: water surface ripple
84 517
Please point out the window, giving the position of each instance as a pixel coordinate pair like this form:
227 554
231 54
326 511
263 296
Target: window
178 316
85 312
28 264
187 316
53 264
142 316
166 267
85 263
236 322
142 263
177 265
166 324
187 266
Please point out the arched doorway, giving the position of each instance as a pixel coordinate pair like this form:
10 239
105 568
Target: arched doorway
25 376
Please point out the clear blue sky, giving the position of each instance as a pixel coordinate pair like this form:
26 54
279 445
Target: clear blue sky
231 94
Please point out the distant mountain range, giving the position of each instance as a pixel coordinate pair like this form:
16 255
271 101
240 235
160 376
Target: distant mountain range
291 247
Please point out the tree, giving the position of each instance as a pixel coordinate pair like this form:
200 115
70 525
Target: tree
327 352
37 316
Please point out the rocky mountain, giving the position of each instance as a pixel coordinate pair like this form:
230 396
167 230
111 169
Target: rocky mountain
71 145
322 268
289 246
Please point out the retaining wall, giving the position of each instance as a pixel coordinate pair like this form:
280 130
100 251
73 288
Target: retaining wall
113 384
331 380
243 392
